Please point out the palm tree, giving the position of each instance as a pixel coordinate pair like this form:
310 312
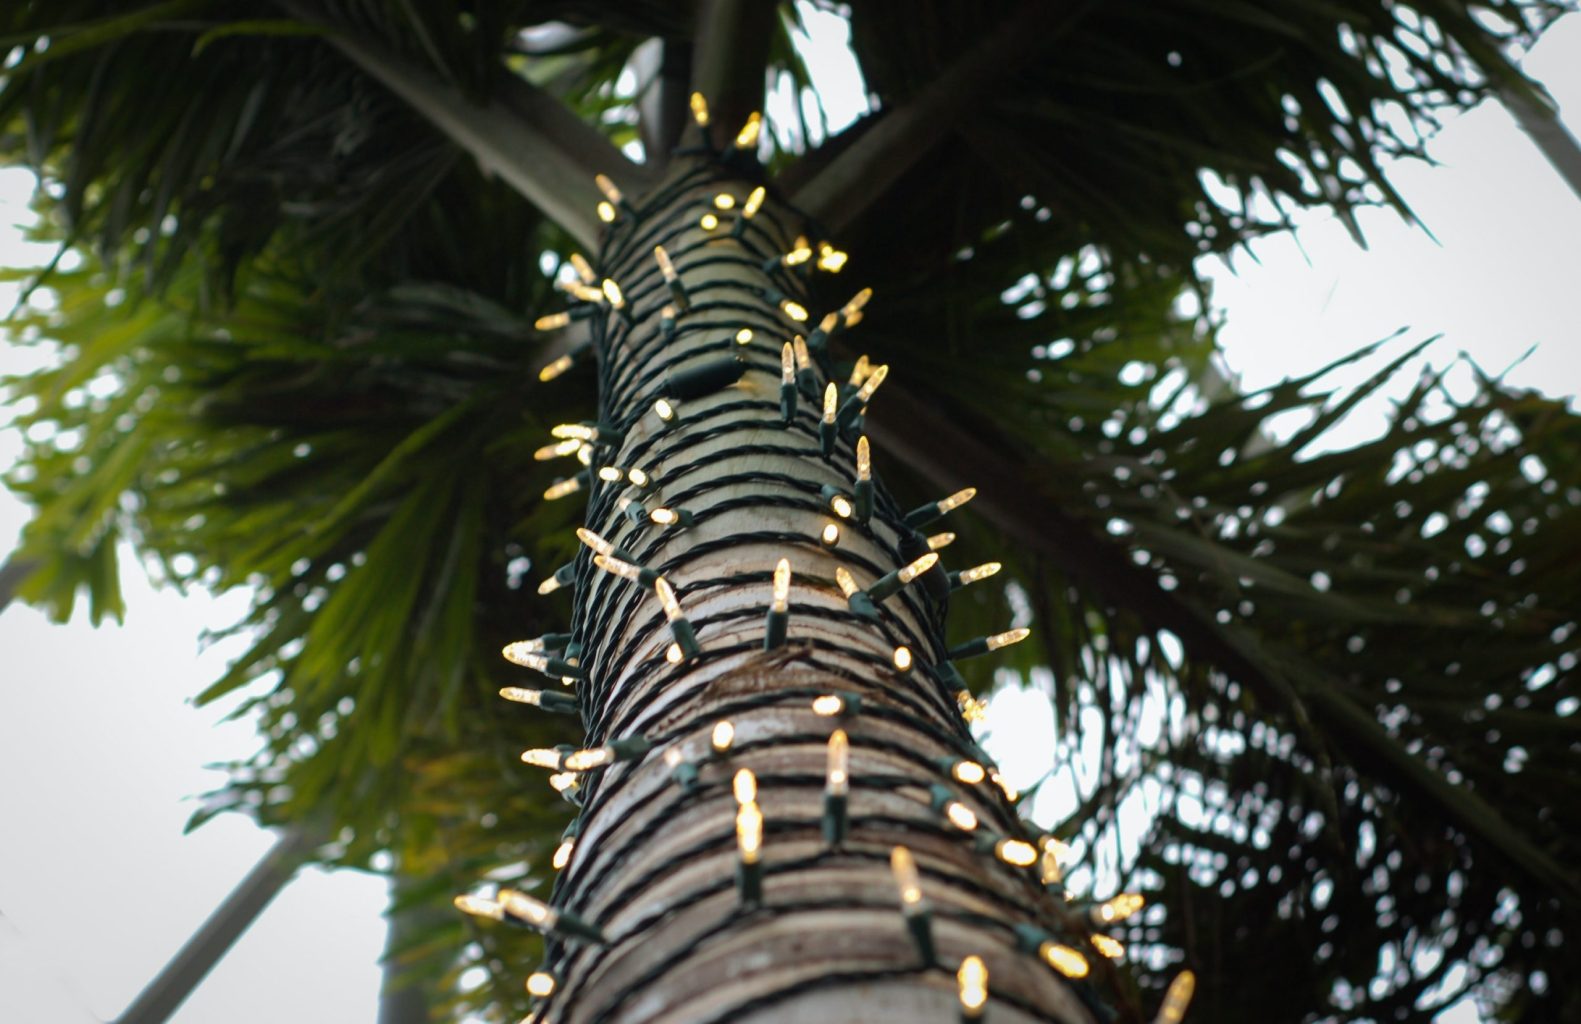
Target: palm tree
331 313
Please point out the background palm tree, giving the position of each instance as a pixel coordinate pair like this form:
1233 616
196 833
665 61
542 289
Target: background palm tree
1367 655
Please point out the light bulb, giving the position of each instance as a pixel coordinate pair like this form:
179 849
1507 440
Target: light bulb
725 201
708 222
841 506
667 599
1176 998
859 371
477 906
831 399
552 322
847 582
1119 908
529 908
749 832
664 516
565 782
556 368
606 211
610 474
584 269
666 266
907 881
577 431
1005 639
902 659
972 709
638 477
1011 793
562 853
782 581
959 815
723 735
828 705
854 307
838 780
979 572
587 760
607 187
788 365
613 294
829 536
797 256
870 385
744 785
673 654
972 982
969 772
619 567
744 336
1111 949
1016 852
795 310
540 984
918 567
747 137
754 202
1064 960
864 459
957 499
699 109
548 587
561 488
542 757
803 357
570 446
940 541
663 409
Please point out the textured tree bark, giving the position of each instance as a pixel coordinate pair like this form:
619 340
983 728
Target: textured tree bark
655 862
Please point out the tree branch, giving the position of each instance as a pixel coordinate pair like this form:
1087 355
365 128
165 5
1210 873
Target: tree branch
728 61
531 140
901 137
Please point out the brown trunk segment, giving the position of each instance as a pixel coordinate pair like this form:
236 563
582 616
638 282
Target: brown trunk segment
654 866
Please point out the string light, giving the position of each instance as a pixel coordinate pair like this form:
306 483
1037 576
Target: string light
617 566
826 426
804 371
1177 998
829 705
967 577
749 843
754 202
665 516
747 137
863 491
851 312
837 783
612 292
819 338
829 536
890 583
518 653
794 310
830 258
606 212
788 387
859 371
540 915
541 984
744 336
855 405
1118 908
955 812
1110 949
1051 871
558 449
940 541
722 736
562 853
555 368
672 280
856 598
1064 959
477 906
902 659
542 757
925 514
985 644
699 107
596 433
680 628
708 222
566 784
972 982
1016 852
972 709
778 621
563 577
551 322
725 201
969 772
997 778
561 488
838 503
665 410
548 700
612 198
908 885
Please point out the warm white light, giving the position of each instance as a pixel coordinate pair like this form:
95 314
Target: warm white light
782 581
1016 852
584 269
870 385
744 336
918 567
1111 949
744 786
907 880
841 506
607 187
613 294
961 816
542 757
1005 639
979 572
708 222
723 736
699 109
831 401
666 593
562 853
940 541
561 488
725 201
969 772
540 984
847 582
902 659
551 322
972 981
830 535
864 459
754 202
570 446
854 307
555 368
664 410
528 908
587 760
749 832
828 705
795 310
747 137
788 365
957 499
1119 908
1064 960
666 266
838 780
1176 998
477 906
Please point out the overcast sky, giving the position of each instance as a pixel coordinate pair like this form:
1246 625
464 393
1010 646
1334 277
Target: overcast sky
100 753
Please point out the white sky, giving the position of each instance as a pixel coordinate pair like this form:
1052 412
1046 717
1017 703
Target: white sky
100 754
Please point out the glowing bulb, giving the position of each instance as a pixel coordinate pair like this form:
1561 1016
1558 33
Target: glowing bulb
829 323
972 709
830 535
918 567
725 201
519 653
607 187
803 358
1108 948
673 654
795 310
787 365
749 832
638 477
1011 793
960 816
579 431
723 736
744 336
587 760
585 293
606 212
831 399
542 757
902 659
745 786
529 908
1119 908
610 474
584 454
864 459
708 222
552 322
797 256
612 293
940 541
666 266
907 881
477 906
747 137
870 385
854 307
561 488
522 695
859 371
564 782
1064 960
562 854
969 772
847 582
663 409
830 258
619 567
1016 852
569 446
666 594
594 541
828 705
957 499
548 587
540 984
754 202
664 516
1176 998
972 980
838 781
979 572
841 505
1005 639
1050 869
782 581
699 109
556 368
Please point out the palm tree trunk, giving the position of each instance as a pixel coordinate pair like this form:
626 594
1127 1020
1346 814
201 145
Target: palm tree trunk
656 864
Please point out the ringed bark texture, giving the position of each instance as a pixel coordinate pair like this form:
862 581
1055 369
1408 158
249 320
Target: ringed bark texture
656 857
